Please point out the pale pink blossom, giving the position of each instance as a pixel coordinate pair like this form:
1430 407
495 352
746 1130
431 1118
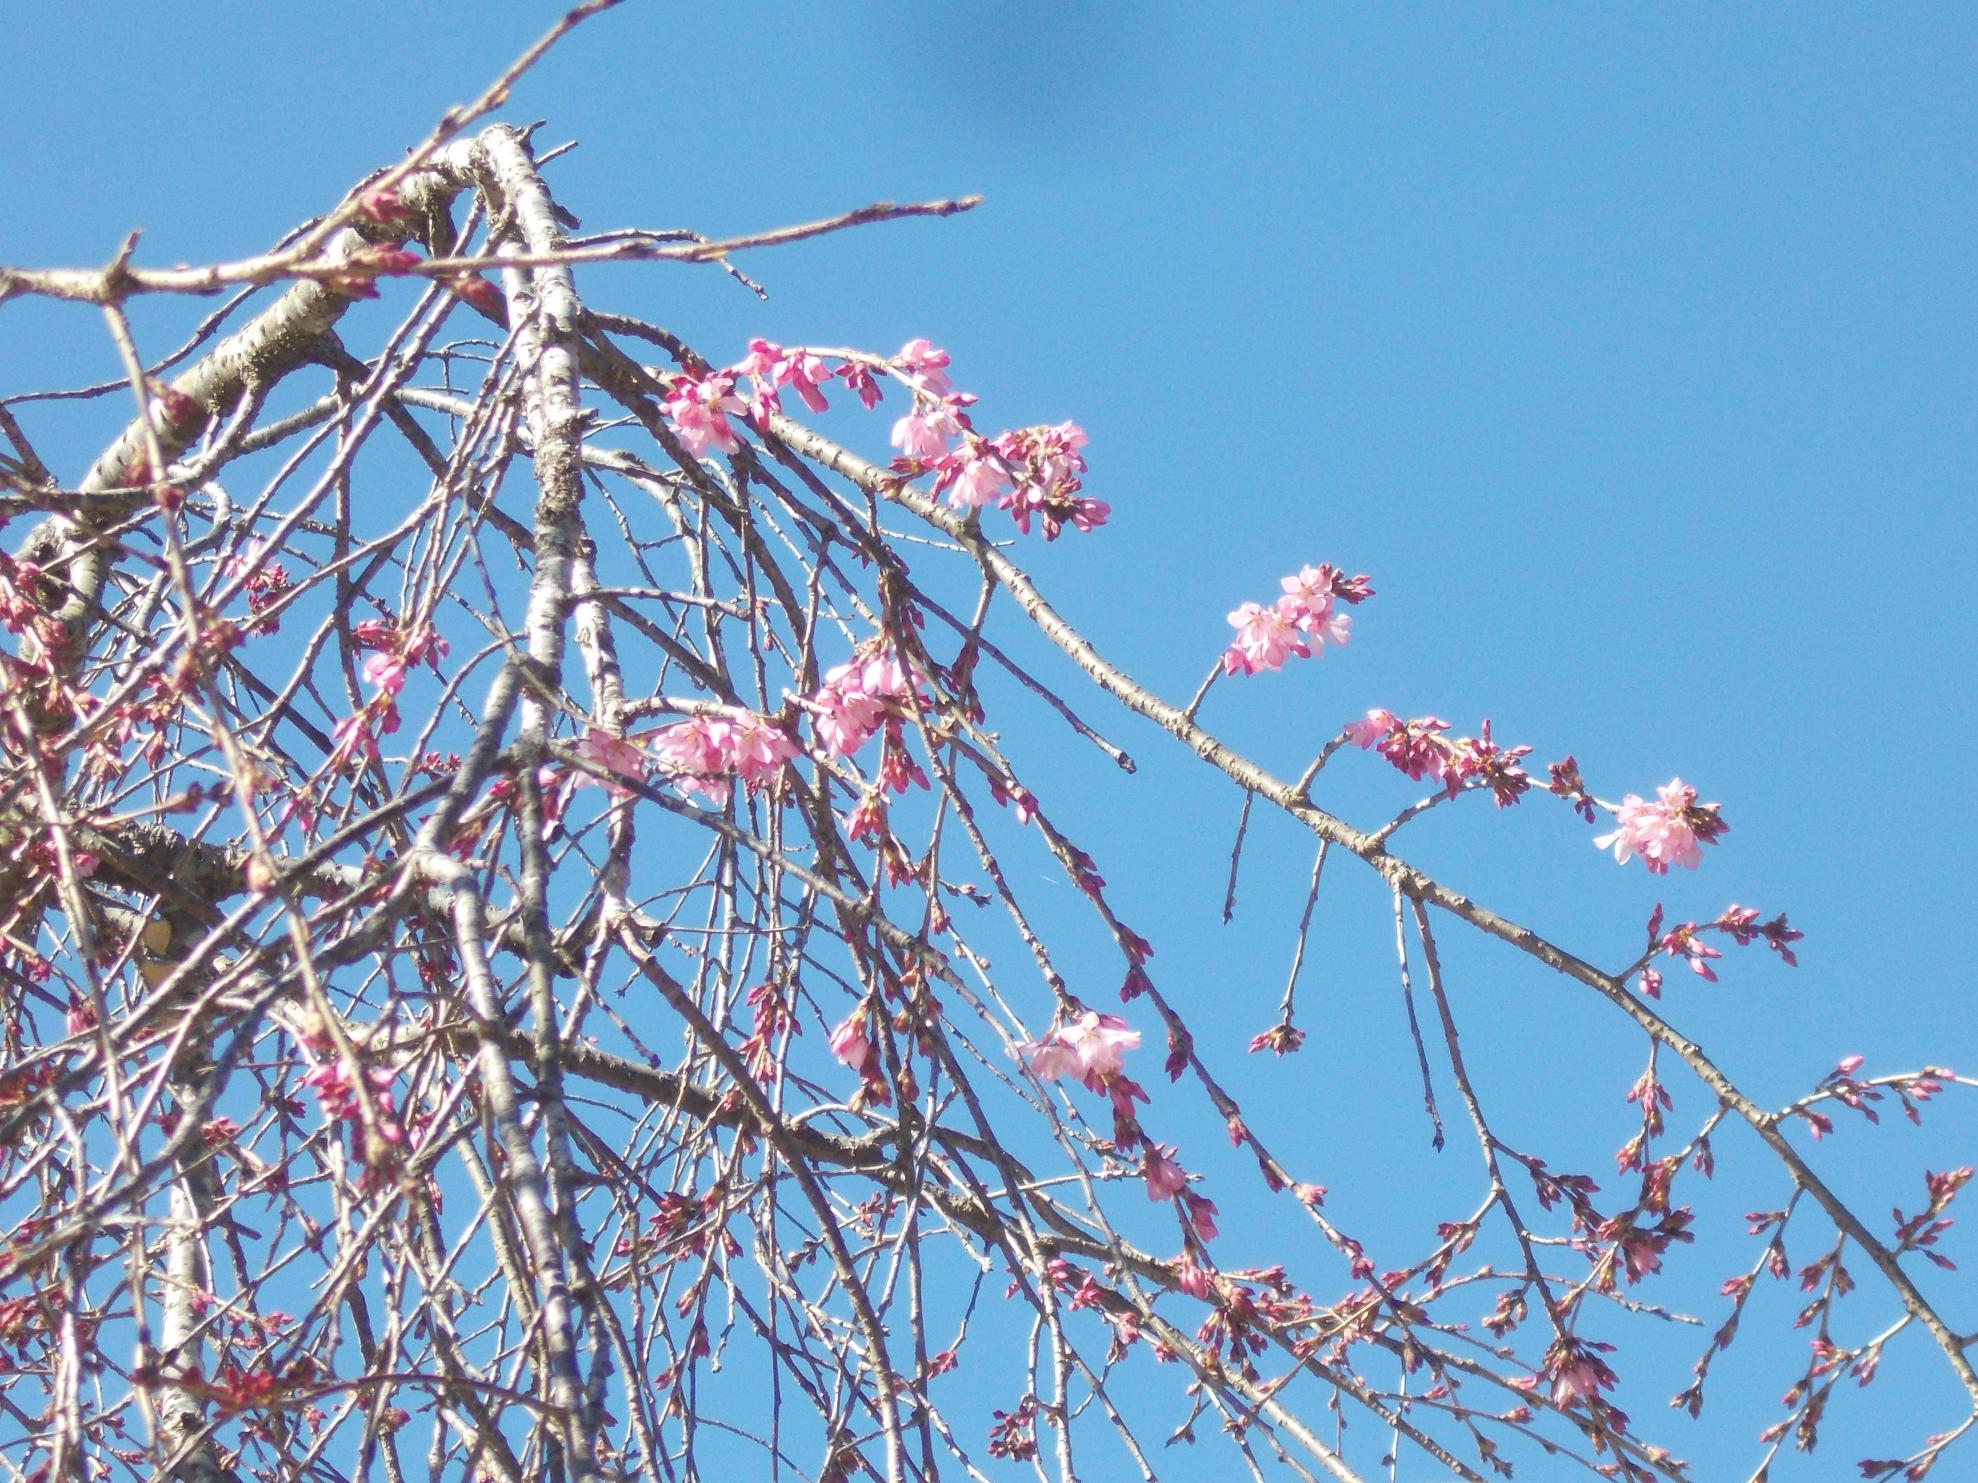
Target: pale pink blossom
925 431
1577 1374
1331 627
1265 638
1669 831
696 750
881 673
849 1042
1308 602
699 409
925 366
396 652
756 749
1308 616
1165 1178
614 755
845 718
706 748
854 700
1310 587
1092 1048
1087 515
386 671
977 480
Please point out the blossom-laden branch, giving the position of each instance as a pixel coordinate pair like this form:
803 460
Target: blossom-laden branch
475 963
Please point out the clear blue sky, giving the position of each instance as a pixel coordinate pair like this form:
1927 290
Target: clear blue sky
1631 351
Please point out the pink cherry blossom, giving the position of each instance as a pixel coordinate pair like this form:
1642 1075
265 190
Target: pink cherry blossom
1202 1217
849 1042
386 671
1419 749
705 748
1165 1178
769 366
756 749
699 409
1669 831
925 366
1310 587
1265 638
1328 627
1363 734
974 478
1092 1048
881 673
846 718
867 822
397 651
1308 599
696 750
335 1084
1015 797
925 431
897 769
1045 463
427 647
357 736
1577 1374
1302 621
613 754
856 698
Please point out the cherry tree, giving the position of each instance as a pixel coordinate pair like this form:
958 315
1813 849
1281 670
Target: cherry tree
520 955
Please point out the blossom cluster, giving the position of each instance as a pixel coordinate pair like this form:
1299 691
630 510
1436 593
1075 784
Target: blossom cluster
1420 749
1301 622
851 1043
708 751
1670 831
267 583
1685 941
712 747
1092 1050
857 698
395 652
335 1083
1032 473
354 1092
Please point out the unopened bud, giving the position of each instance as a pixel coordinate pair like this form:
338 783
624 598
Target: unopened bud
382 207
477 293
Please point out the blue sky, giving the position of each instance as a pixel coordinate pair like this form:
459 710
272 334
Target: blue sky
1630 351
